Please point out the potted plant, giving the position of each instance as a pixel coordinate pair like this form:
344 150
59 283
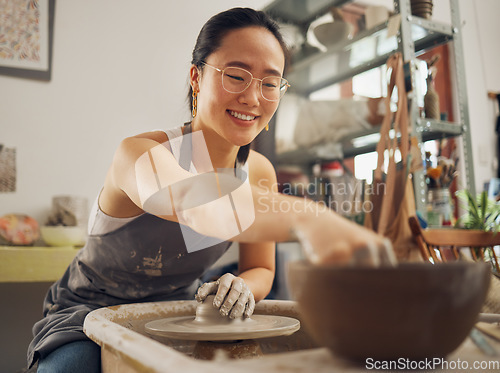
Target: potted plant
482 213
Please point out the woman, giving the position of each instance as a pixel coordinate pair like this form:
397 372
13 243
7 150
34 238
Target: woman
137 249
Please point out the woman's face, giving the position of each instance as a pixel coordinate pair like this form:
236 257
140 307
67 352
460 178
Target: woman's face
238 117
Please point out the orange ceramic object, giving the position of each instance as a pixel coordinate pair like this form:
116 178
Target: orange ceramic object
18 229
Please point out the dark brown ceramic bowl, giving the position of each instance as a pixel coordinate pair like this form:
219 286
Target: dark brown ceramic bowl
413 311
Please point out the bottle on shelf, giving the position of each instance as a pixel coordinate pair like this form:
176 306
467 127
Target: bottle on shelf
332 177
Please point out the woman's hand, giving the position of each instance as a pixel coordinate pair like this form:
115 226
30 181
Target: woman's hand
335 240
233 298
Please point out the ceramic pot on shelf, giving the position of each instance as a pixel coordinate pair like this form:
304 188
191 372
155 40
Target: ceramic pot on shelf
332 33
422 8
431 101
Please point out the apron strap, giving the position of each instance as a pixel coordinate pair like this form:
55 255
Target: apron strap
186 148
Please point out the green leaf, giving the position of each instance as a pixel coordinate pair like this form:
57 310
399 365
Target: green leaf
473 209
483 205
481 212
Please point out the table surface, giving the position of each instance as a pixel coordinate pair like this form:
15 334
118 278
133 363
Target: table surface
34 264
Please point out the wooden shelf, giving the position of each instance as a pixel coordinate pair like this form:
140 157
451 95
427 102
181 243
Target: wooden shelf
363 142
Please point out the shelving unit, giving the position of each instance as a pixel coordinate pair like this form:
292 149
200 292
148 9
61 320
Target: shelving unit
312 70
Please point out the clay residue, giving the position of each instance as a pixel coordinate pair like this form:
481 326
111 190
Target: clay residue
153 266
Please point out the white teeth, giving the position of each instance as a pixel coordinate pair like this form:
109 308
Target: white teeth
241 116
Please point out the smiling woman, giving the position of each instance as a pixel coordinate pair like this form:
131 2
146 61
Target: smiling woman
248 55
173 201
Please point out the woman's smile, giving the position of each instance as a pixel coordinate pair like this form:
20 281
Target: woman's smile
242 119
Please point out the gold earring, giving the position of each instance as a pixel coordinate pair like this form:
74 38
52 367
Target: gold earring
195 104
267 127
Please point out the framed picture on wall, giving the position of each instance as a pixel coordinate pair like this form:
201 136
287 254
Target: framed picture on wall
26 34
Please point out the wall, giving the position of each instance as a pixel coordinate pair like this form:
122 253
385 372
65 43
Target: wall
480 32
119 68
17 319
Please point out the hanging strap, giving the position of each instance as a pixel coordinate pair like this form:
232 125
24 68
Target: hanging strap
186 150
400 123
400 140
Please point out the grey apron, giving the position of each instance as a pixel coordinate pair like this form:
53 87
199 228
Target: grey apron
145 260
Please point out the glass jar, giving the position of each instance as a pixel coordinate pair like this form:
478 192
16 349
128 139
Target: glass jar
440 209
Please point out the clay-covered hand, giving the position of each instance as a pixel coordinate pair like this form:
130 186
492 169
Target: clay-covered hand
233 297
349 244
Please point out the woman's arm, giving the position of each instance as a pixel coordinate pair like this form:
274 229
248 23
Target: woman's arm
257 267
128 176
144 170
257 260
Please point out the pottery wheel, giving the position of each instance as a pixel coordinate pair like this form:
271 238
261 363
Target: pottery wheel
209 325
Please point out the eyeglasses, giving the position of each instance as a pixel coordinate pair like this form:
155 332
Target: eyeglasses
237 80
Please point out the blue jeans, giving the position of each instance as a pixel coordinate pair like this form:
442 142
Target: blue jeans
74 357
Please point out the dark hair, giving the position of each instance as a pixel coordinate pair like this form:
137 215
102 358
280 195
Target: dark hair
214 30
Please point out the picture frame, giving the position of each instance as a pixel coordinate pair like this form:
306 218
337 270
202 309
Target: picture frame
26 38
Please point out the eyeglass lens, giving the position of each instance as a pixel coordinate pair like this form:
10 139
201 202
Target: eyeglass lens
236 80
